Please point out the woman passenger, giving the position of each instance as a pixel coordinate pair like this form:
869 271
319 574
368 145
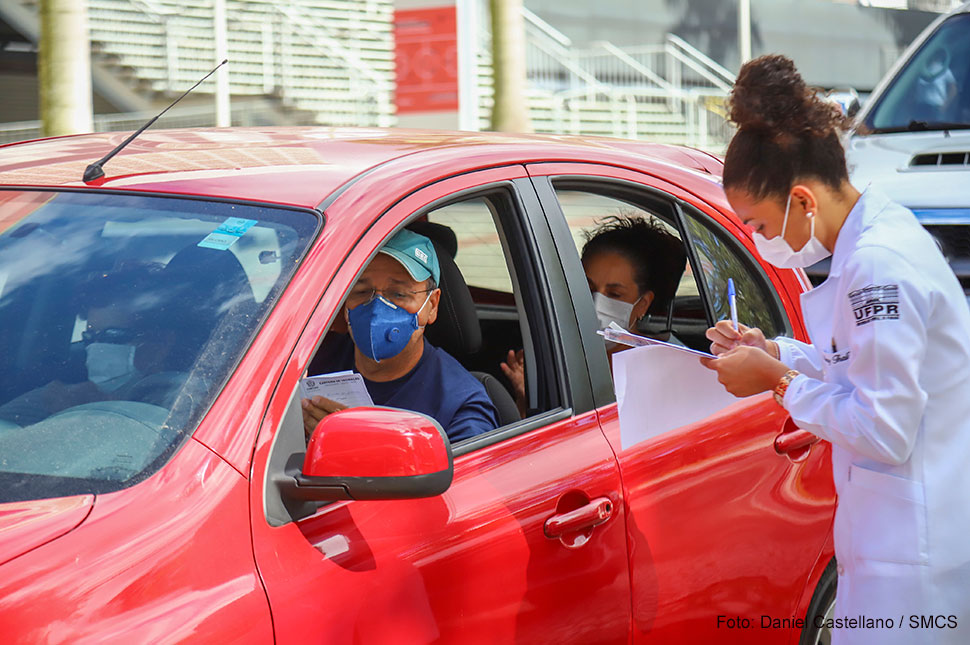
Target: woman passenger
633 266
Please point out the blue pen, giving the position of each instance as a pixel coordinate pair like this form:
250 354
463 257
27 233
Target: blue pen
732 301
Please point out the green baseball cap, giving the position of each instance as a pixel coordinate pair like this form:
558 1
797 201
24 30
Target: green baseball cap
416 253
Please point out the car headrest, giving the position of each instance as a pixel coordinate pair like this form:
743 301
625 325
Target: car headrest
439 233
457 330
202 286
214 278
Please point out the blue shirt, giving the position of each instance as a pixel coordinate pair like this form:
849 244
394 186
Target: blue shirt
438 386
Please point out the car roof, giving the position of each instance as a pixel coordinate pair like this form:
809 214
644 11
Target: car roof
302 166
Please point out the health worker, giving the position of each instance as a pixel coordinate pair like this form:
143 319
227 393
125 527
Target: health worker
886 377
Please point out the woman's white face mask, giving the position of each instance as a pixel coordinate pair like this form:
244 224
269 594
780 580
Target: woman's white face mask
779 253
612 310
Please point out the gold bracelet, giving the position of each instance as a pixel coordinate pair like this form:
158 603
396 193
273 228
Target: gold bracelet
782 386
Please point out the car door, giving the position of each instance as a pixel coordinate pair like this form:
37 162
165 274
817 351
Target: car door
723 530
481 562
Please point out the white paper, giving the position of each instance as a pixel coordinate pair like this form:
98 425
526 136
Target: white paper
617 334
660 388
343 387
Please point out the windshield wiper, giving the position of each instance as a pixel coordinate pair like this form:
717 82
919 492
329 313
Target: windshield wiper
923 126
95 171
919 126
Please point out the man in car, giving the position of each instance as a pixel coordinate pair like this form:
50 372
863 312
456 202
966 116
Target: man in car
126 348
387 310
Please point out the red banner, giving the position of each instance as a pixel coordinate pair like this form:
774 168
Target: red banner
426 56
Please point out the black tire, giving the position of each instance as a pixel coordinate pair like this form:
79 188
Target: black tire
822 605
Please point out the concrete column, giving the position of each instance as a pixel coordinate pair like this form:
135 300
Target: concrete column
469 37
64 67
223 113
744 30
510 113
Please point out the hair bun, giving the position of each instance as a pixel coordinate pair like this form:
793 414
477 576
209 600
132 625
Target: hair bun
770 98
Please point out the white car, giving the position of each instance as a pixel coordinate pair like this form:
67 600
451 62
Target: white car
912 138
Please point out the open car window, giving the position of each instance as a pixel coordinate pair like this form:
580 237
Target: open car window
491 303
493 260
478 251
676 312
121 317
696 274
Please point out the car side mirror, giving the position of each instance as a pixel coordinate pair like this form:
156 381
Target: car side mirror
373 453
847 99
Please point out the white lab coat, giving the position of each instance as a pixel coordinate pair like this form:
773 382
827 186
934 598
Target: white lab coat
887 381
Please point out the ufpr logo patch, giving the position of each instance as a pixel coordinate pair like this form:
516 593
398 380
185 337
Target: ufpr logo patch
875 302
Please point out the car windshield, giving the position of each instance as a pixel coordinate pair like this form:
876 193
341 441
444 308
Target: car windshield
932 91
121 316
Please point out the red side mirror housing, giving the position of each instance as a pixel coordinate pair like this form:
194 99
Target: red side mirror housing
375 453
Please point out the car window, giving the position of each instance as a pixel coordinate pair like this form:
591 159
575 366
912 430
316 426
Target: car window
479 252
721 257
676 313
492 255
121 316
697 275
933 88
486 309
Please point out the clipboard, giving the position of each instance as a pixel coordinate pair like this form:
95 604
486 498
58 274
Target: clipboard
617 334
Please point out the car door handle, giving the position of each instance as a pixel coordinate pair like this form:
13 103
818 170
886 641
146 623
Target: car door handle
585 517
793 440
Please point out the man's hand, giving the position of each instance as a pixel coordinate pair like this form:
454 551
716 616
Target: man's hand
746 370
314 410
724 337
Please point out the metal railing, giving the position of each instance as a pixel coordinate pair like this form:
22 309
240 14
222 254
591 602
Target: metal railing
692 58
665 91
159 16
281 49
366 86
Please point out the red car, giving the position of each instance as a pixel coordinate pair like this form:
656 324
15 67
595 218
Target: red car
169 494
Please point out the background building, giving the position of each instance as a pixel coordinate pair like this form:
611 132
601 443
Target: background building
656 69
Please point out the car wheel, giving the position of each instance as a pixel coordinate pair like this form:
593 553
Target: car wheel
823 605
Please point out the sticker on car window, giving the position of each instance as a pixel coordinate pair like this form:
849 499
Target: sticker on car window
227 234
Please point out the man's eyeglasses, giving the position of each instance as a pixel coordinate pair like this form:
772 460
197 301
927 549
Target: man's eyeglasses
401 297
114 335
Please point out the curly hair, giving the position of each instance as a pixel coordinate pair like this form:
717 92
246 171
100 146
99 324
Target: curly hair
658 258
785 132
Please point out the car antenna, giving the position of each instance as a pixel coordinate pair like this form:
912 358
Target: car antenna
95 171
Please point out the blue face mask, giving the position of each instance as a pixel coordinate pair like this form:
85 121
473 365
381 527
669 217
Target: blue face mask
381 329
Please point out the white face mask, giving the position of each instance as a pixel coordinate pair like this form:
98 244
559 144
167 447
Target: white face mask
612 310
110 365
779 253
